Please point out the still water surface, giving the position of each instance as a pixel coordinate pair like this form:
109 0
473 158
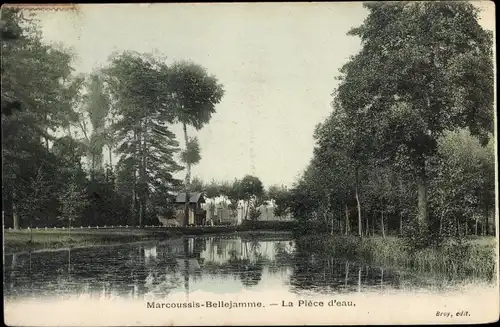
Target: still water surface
215 264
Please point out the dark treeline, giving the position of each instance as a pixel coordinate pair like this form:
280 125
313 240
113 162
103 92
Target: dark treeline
61 132
409 146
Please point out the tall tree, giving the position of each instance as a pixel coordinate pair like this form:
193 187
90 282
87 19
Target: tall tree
140 94
73 201
463 183
251 191
344 144
424 68
37 96
195 95
280 195
97 107
213 189
197 185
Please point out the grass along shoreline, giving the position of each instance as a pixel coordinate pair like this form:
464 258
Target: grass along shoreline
474 258
50 239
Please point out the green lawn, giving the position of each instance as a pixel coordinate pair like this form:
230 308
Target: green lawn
56 238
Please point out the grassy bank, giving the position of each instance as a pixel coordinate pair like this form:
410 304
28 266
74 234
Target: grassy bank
473 258
19 240
16 241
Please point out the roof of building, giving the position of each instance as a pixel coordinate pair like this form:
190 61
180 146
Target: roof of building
194 197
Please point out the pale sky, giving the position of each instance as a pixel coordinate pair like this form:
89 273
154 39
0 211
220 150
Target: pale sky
277 62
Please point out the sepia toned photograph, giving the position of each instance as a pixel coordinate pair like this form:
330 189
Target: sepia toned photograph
187 164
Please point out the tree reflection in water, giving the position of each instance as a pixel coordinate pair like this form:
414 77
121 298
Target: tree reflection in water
189 263
148 269
162 275
249 272
313 272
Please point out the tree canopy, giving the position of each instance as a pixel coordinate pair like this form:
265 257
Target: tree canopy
424 74
126 106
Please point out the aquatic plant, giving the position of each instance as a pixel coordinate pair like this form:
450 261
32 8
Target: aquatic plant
453 259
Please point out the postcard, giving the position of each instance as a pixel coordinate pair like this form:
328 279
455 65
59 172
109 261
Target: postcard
190 164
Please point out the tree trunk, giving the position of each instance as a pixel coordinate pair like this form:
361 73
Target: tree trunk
475 227
400 206
359 279
93 158
486 222
15 215
374 223
332 220
346 274
13 264
382 228
69 260
422 216
247 207
141 211
346 220
110 152
145 208
360 226
401 223
47 139
100 156
340 220
140 193
328 214
188 178
134 188
143 199
441 224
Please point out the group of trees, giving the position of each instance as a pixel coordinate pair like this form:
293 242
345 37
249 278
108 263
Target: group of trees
409 145
248 191
54 121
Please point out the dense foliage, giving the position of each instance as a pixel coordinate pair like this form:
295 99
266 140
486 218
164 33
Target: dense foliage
408 147
56 126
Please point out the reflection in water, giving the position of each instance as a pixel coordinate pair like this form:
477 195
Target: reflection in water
329 275
218 264
149 269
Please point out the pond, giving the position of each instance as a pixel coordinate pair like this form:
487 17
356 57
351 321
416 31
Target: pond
213 264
